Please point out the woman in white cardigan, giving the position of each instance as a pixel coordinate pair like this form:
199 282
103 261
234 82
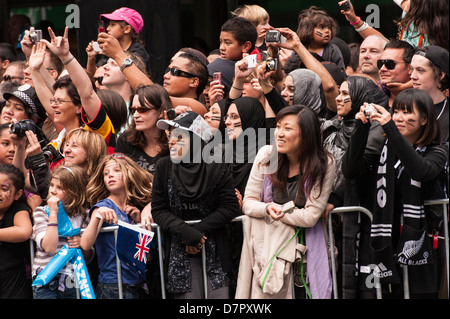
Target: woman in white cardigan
297 169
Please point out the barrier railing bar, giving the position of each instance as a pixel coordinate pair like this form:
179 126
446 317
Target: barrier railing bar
444 202
331 237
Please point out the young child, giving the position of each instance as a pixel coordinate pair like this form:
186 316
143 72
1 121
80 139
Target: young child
260 19
7 148
124 24
68 186
15 230
237 36
315 30
119 189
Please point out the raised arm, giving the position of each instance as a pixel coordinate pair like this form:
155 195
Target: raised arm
329 85
60 47
360 26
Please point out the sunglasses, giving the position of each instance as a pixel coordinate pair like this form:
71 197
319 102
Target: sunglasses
139 109
389 63
177 72
7 78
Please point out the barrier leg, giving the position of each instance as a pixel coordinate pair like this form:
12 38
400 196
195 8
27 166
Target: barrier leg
331 238
119 269
161 262
333 262
205 275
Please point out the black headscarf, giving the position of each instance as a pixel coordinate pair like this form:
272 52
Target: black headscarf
193 180
362 89
245 147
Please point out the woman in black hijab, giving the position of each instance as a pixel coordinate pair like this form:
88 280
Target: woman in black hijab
244 120
337 131
187 186
353 93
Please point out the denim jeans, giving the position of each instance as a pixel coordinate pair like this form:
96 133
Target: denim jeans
55 289
111 291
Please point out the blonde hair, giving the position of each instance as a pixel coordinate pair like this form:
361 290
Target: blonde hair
137 181
73 180
93 143
253 12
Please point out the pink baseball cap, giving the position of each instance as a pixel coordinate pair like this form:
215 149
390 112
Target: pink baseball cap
130 16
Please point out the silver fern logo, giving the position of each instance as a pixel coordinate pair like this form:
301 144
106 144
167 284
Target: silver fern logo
410 249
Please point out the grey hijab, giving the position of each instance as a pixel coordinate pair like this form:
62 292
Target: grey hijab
308 89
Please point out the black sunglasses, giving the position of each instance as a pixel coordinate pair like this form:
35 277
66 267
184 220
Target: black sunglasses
389 63
139 109
177 72
7 78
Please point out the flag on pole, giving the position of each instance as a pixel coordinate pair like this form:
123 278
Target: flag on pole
133 246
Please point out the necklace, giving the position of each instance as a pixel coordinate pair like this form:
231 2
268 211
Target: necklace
442 110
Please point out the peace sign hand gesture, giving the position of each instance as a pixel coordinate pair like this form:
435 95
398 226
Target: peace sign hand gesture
59 45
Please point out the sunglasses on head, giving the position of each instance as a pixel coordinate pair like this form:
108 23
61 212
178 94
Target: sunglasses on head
177 72
388 63
139 109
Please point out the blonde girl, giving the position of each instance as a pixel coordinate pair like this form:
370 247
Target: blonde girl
119 189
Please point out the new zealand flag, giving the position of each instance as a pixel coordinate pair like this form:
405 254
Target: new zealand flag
133 246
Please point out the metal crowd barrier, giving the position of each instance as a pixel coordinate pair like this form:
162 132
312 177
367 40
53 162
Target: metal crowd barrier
444 202
156 228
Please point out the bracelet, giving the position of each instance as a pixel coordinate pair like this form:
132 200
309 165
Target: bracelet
52 224
357 21
363 27
68 61
237 88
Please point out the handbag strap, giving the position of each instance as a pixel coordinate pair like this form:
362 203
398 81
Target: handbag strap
276 255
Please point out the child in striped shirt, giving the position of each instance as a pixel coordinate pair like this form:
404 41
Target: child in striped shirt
68 186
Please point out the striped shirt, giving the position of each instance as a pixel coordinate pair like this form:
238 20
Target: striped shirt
42 258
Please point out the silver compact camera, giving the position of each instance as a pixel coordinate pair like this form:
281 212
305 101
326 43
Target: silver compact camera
274 36
370 109
271 65
35 36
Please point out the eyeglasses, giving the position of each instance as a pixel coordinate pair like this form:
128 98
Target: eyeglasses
58 101
177 72
7 78
389 63
140 109
232 117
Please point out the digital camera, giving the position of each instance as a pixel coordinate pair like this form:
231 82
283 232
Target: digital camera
21 127
274 36
35 36
370 109
271 65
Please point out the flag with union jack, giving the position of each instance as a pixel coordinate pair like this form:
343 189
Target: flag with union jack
133 246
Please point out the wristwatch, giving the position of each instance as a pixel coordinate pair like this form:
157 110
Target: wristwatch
127 62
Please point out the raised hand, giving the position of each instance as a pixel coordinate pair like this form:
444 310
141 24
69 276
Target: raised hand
37 56
59 45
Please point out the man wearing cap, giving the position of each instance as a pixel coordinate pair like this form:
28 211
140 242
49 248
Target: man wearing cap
22 104
429 72
125 24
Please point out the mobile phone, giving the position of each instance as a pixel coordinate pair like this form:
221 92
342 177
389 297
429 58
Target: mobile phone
251 60
101 26
217 76
346 5
288 207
